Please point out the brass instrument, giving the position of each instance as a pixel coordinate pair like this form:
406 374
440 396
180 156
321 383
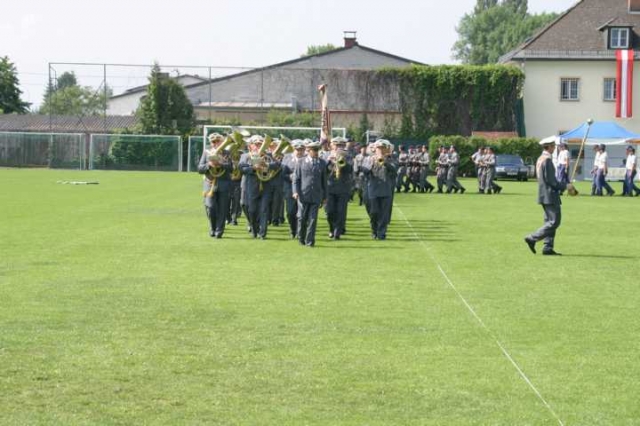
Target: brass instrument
214 155
261 161
283 145
339 161
235 151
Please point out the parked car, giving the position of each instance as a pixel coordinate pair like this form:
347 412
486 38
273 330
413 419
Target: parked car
510 166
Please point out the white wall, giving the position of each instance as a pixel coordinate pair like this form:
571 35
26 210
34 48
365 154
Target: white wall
545 114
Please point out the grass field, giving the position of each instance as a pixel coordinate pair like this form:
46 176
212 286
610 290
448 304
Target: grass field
116 308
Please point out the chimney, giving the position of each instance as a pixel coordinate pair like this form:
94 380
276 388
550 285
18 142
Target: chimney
634 6
350 39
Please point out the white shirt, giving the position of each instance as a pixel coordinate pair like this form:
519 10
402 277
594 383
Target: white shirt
631 161
600 161
563 157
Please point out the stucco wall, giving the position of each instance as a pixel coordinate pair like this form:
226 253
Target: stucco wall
546 115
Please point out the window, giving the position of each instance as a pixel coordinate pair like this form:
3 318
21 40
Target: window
569 89
619 38
609 90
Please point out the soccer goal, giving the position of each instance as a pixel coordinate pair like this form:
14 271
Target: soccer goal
53 150
135 152
197 144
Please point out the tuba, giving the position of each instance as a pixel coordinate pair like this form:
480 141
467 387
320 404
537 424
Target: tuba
339 161
235 151
216 155
261 161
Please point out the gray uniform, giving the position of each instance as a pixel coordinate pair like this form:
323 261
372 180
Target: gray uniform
216 193
310 183
441 171
549 197
489 174
359 176
257 196
289 163
403 167
380 184
339 192
423 160
452 173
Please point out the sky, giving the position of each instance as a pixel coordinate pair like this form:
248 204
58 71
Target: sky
220 33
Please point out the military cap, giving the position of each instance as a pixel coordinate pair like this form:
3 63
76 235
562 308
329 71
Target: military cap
256 139
213 137
313 144
297 143
339 140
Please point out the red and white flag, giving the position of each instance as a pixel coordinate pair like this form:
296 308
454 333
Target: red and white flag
325 132
624 83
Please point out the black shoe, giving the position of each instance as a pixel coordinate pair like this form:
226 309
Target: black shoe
489 191
551 252
611 193
480 191
498 190
439 191
336 237
382 237
374 236
234 223
455 190
212 234
331 236
301 242
531 243
462 190
219 235
310 244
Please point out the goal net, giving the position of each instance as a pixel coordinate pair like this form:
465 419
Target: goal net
54 150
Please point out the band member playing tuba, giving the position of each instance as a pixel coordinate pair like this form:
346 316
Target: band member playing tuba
340 169
257 167
216 167
381 170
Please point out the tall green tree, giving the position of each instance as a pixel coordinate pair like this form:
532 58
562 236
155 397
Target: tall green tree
10 101
165 110
495 28
322 48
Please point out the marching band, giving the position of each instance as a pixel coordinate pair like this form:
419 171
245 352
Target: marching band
272 180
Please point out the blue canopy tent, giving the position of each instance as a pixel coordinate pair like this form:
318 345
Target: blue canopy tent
606 132
601 132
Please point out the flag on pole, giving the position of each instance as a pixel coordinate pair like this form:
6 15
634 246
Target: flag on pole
325 132
624 83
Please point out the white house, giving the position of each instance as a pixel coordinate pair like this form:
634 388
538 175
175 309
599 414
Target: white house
570 67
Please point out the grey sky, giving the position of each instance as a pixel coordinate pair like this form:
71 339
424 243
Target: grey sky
217 32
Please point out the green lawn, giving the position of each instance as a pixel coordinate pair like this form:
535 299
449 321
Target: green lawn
117 308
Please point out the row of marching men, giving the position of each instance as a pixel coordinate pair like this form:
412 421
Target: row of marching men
306 178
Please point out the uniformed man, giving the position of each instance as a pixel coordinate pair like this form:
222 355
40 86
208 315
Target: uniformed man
235 190
489 173
381 170
358 175
549 197
289 163
340 170
479 167
310 190
401 177
258 190
216 167
424 160
562 170
442 168
276 216
452 173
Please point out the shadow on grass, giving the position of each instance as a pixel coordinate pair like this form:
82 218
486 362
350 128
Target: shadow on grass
601 256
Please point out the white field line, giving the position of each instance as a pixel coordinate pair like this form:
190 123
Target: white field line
477 317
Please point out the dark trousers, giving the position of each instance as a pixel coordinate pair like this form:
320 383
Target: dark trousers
337 212
277 205
601 183
234 201
552 219
629 186
292 210
380 214
258 214
401 181
216 210
307 222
